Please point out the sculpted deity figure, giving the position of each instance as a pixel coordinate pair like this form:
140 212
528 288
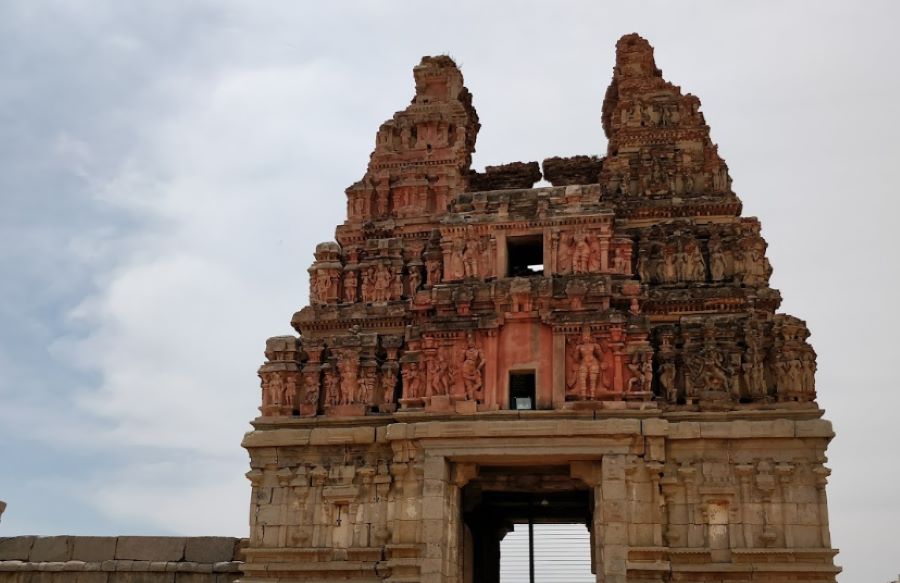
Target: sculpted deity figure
717 263
350 282
472 368
432 271
641 379
368 291
589 365
783 377
643 265
470 255
382 201
367 385
753 366
348 366
288 391
321 286
311 387
696 267
688 181
624 184
441 376
620 265
667 116
359 206
647 371
415 279
808 363
381 284
412 380
273 389
332 386
667 375
397 287
754 378
754 266
581 254
670 265
796 374
714 374
739 265
388 382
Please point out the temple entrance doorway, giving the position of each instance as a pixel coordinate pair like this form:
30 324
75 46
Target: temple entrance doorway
531 505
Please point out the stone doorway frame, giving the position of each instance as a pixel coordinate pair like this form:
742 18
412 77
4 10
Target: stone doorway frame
597 452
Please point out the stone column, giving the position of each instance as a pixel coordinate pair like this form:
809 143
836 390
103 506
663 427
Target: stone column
559 370
745 475
436 492
822 473
614 521
788 508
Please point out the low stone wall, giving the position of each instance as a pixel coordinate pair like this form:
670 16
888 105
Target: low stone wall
122 559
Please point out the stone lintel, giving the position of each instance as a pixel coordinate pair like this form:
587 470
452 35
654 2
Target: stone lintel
515 428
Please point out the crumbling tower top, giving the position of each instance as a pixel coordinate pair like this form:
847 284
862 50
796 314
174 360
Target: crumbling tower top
426 147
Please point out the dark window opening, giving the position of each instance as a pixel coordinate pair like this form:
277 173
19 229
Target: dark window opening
522 390
525 255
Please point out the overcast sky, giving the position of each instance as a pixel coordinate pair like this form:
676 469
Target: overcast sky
166 169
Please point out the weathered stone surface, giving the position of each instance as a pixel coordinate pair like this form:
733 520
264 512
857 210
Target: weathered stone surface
575 170
16 548
51 548
505 176
209 549
150 548
93 548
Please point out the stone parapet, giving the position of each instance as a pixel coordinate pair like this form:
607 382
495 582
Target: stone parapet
123 559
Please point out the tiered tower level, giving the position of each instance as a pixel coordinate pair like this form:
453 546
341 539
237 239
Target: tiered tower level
605 350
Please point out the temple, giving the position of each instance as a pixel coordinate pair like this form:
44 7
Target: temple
478 352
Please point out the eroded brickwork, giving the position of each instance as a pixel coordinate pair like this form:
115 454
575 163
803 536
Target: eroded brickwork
617 326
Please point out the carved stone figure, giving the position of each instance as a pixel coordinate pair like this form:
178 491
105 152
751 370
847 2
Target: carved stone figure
383 203
620 264
643 265
667 376
412 380
589 365
471 255
388 382
433 271
717 264
415 279
322 286
472 368
349 370
273 390
368 385
581 254
670 264
368 290
311 387
332 386
441 375
381 284
350 285
641 368
695 269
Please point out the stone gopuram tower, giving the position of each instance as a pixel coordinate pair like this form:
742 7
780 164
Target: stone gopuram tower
478 352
